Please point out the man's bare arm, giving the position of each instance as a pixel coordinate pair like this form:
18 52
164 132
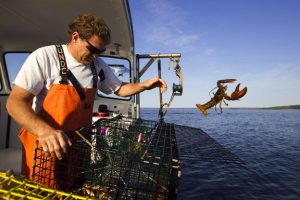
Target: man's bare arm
128 89
19 103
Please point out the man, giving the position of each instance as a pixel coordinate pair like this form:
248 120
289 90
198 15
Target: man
55 89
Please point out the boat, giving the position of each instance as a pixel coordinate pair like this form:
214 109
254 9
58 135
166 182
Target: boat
139 158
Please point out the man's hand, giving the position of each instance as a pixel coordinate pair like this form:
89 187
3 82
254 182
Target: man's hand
128 89
155 82
55 143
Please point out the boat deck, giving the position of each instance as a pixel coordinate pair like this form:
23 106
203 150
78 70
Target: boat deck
11 159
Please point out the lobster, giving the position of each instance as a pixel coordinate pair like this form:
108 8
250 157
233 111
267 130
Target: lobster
221 95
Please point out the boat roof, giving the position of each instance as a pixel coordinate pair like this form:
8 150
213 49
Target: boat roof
29 24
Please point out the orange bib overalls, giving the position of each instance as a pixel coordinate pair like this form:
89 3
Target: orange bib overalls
64 108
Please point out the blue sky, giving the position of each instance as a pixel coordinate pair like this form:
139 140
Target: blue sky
256 42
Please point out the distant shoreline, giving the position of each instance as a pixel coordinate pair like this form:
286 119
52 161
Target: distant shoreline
285 107
265 108
272 108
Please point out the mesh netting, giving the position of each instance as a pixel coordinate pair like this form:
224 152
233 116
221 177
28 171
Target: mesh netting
117 159
196 145
12 187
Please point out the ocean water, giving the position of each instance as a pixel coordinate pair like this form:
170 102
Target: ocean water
268 141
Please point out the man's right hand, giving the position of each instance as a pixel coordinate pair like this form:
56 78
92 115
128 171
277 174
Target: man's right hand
55 144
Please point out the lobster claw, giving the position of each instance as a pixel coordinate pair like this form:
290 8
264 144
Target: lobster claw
237 94
226 81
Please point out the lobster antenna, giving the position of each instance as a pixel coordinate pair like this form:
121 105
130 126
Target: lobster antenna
211 91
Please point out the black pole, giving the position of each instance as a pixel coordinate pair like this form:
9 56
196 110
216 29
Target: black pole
161 115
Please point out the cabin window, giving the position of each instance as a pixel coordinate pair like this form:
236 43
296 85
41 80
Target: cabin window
14 62
121 69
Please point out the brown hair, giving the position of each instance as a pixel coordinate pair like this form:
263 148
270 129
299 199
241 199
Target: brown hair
88 25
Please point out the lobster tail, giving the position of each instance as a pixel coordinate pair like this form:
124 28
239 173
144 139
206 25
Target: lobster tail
203 110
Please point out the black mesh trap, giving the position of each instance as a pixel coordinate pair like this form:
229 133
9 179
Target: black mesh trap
196 145
121 159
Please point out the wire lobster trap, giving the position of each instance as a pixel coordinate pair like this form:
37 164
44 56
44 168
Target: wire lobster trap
12 187
116 159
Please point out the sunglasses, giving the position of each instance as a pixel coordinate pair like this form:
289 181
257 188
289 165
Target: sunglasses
94 50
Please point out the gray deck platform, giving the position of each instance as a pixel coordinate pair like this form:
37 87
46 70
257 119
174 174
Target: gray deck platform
11 159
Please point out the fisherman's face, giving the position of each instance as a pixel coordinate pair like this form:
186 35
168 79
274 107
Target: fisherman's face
89 49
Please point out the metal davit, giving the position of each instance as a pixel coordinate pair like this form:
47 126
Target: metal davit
177 88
